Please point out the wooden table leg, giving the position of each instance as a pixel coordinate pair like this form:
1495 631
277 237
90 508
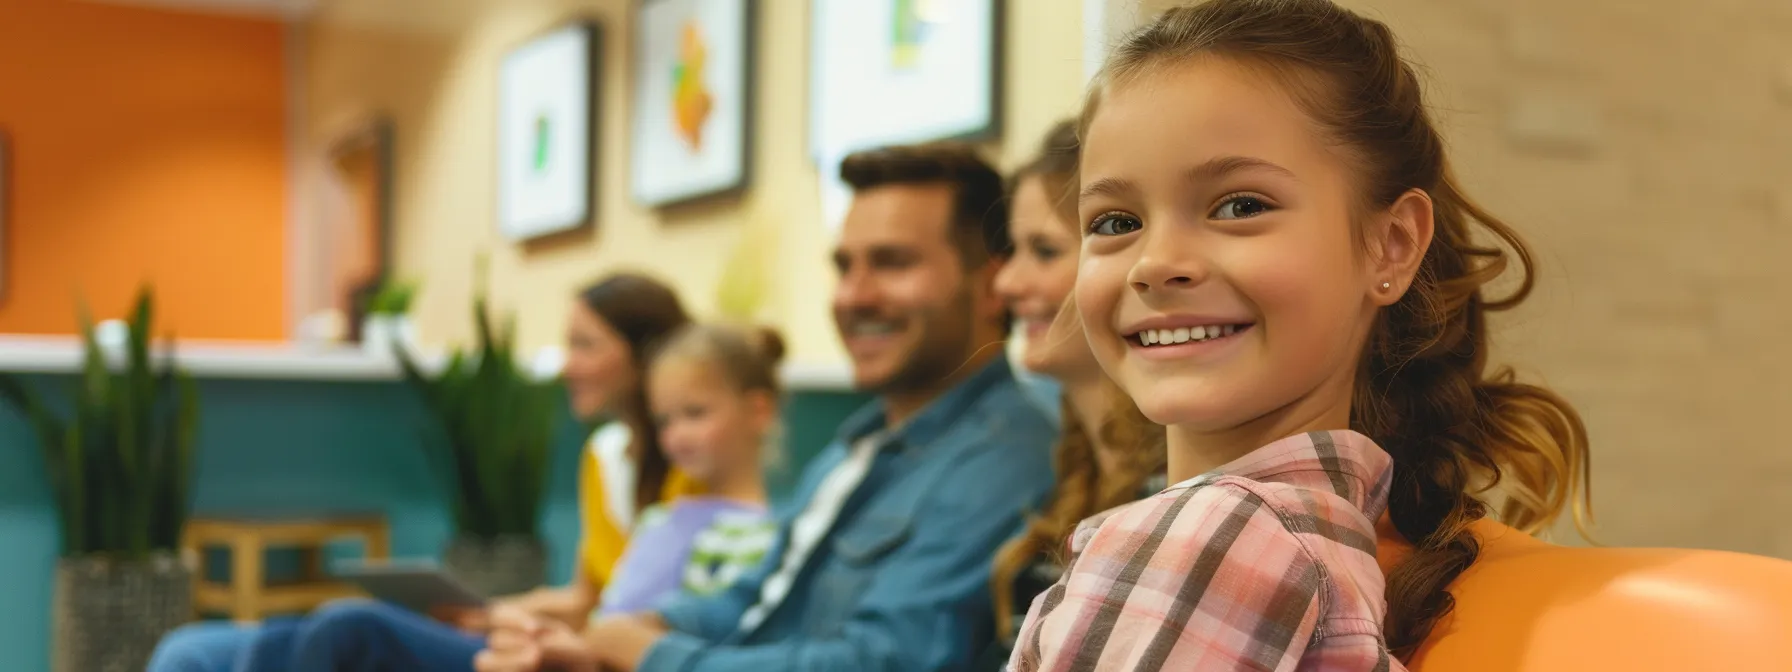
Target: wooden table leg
246 577
311 563
378 542
192 554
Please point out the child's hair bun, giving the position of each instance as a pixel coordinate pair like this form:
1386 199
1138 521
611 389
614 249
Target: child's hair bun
771 345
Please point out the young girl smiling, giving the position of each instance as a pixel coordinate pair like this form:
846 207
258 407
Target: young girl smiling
1278 267
713 392
714 395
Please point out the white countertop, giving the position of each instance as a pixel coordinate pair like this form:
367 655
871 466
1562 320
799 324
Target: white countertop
286 361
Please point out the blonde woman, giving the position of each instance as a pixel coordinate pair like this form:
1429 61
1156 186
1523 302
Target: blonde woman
1097 470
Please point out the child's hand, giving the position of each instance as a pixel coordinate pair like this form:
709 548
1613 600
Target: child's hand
623 641
522 642
471 620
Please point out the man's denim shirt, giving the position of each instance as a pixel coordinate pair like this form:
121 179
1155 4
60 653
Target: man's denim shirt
901 581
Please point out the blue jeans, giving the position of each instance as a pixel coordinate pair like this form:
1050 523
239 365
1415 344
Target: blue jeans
211 646
349 635
362 635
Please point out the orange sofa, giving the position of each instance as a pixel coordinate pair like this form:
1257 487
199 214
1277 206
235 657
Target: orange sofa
1530 606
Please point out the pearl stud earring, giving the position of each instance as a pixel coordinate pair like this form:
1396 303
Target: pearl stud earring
1385 285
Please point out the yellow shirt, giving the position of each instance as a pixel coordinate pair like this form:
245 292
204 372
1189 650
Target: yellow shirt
607 499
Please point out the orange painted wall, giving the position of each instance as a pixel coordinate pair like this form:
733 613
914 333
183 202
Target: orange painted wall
147 145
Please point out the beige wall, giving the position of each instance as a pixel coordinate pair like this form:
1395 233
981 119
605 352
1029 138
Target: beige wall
438 77
1645 147
1646 150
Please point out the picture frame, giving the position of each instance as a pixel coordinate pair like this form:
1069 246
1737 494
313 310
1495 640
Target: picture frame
938 75
693 97
547 132
361 161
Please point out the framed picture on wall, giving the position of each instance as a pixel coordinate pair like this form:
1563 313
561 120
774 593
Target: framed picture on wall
902 71
360 178
546 140
692 99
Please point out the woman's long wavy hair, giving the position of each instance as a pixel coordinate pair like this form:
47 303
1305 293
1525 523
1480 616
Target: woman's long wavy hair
1424 392
643 311
1083 488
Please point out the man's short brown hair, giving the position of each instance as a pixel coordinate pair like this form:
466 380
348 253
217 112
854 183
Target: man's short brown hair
979 206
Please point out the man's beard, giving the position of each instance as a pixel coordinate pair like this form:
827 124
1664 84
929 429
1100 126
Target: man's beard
940 352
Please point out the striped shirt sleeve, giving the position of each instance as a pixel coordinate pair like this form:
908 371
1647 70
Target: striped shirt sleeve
1198 578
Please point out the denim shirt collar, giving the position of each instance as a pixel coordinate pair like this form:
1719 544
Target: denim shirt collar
934 419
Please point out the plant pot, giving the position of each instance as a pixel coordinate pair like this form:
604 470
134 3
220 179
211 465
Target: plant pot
108 615
497 566
381 333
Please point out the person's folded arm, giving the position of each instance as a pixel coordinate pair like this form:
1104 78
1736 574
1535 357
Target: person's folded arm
715 617
928 608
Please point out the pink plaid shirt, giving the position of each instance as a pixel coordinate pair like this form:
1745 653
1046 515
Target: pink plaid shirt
1267 563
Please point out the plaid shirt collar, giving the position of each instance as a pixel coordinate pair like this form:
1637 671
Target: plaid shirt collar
1265 563
1350 464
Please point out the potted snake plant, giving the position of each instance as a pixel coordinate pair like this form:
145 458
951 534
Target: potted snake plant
488 441
388 322
120 470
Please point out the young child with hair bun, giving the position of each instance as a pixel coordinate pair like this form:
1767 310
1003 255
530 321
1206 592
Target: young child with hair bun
713 392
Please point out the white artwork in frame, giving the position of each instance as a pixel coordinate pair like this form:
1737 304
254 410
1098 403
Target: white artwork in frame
902 71
545 133
692 99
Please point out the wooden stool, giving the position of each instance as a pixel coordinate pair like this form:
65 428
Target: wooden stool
247 598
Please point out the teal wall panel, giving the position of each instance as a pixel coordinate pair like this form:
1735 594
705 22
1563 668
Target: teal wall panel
309 447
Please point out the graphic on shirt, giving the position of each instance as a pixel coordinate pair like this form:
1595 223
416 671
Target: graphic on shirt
731 546
693 545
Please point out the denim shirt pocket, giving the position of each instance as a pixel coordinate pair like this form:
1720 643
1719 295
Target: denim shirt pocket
858 554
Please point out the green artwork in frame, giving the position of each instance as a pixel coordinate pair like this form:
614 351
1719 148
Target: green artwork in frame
546 113
543 139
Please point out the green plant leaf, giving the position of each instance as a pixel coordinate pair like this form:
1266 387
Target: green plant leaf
95 376
132 520
185 431
94 420
121 464
76 525
160 457
482 324
51 437
491 432
394 297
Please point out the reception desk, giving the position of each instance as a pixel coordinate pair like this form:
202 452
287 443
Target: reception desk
291 429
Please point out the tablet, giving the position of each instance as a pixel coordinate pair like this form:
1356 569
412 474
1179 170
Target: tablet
420 586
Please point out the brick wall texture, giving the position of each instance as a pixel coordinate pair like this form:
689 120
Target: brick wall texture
1645 149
